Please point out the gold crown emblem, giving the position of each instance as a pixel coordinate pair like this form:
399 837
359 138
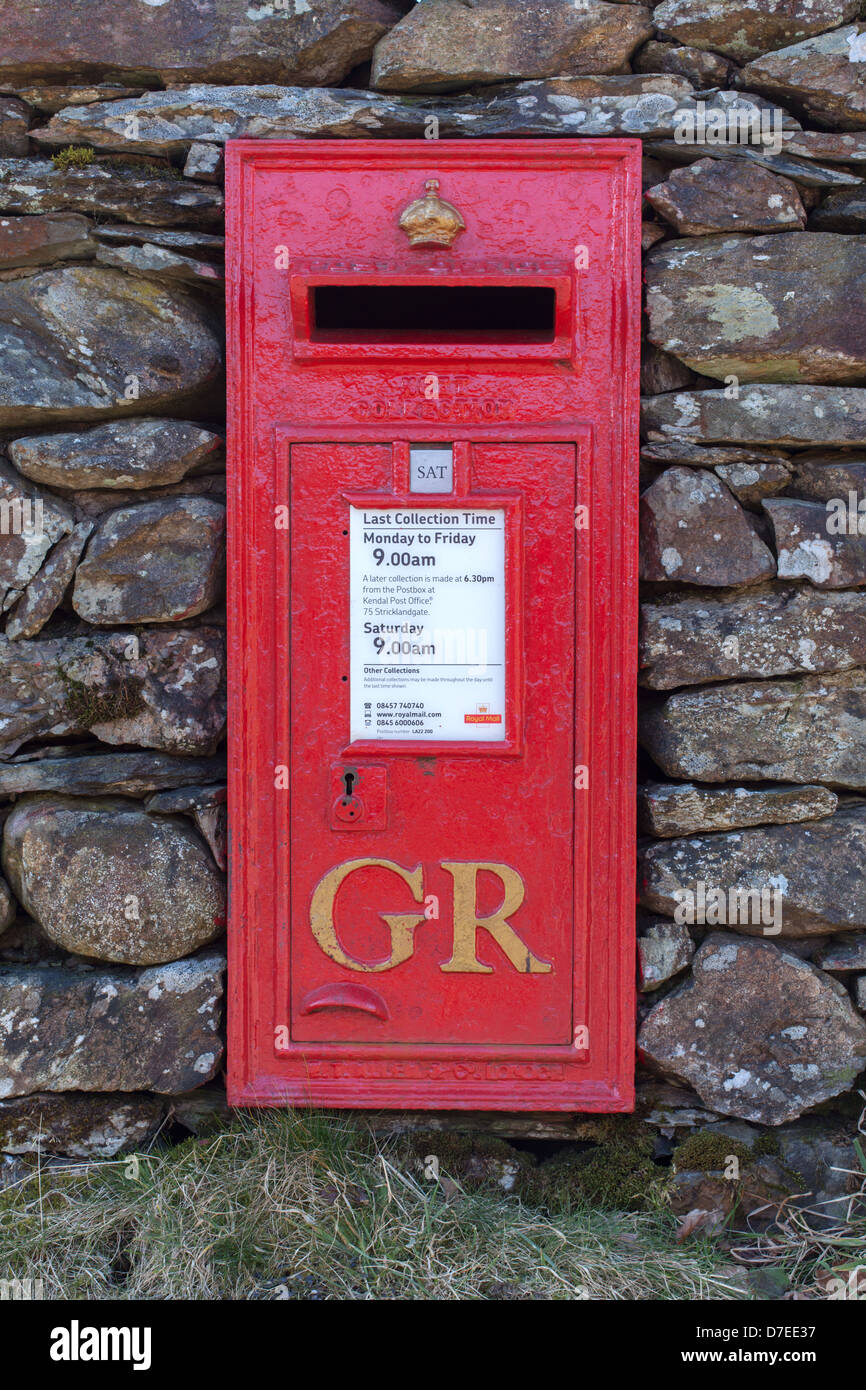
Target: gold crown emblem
430 221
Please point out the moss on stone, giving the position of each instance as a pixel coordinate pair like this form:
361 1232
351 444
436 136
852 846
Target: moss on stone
766 1146
707 1152
456 1149
612 1169
73 157
474 1160
140 164
88 707
618 1174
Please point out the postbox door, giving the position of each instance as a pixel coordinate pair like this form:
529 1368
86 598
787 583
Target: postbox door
432 896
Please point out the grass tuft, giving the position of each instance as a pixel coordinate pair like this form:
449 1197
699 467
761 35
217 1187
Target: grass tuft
299 1205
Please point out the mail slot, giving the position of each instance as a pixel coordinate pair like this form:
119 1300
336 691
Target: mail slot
432 622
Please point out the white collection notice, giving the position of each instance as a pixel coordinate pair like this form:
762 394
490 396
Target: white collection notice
427 615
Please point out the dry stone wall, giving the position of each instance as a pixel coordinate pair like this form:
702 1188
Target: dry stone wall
752 874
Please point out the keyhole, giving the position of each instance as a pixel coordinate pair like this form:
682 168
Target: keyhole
348 782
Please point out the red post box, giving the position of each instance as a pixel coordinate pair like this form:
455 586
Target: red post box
432 606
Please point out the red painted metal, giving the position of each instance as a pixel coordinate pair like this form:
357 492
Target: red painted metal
452 926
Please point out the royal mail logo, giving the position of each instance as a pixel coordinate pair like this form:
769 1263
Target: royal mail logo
482 715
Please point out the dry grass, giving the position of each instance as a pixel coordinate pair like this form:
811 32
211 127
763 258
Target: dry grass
816 1251
296 1205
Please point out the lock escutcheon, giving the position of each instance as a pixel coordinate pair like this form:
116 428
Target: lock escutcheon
358 797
